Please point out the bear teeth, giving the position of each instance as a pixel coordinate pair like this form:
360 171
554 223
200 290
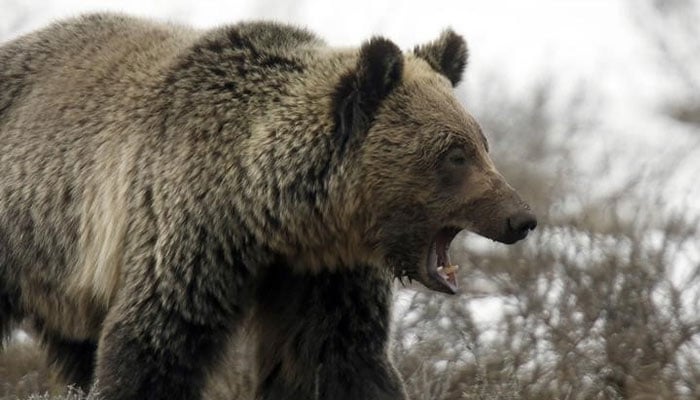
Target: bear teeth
450 269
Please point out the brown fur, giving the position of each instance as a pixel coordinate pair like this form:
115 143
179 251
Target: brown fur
160 184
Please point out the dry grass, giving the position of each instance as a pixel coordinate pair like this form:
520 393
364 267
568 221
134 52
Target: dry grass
23 371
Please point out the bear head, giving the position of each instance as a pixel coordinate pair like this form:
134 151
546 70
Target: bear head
423 160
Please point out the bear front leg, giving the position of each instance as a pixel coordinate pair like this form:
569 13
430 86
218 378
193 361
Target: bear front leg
326 336
74 360
171 322
148 362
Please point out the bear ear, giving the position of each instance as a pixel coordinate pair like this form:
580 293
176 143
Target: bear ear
360 91
447 55
379 68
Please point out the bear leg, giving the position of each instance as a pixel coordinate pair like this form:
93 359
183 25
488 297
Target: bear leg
74 360
325 336
172 320
8 317
158 355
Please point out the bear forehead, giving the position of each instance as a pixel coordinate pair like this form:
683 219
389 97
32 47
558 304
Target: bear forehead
417 69
425 101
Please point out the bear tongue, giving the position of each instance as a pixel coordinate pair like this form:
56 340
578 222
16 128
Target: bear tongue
440 271
444 266
441 245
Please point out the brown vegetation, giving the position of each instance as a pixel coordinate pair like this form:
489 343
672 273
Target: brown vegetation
23 371
601 303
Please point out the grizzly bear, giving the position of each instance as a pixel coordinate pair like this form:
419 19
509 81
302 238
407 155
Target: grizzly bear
160 184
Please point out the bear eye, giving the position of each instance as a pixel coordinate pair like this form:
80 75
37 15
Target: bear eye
456 157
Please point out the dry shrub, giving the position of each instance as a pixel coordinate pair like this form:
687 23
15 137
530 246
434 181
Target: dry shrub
600 303
671 28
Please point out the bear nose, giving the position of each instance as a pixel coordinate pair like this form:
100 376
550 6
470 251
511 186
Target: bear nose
522 223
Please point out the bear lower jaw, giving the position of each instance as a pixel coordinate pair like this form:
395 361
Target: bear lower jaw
438 273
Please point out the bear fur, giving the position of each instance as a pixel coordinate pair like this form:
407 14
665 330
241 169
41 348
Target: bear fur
160 185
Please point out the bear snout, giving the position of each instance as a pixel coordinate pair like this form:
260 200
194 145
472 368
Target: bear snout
518 226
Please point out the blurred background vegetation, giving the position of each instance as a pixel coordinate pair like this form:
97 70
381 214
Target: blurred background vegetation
602 302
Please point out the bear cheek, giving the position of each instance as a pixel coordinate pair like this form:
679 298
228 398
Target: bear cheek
405 224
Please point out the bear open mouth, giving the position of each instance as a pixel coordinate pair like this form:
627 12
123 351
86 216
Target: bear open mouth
442 275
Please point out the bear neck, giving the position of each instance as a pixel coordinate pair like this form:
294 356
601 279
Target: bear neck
268 122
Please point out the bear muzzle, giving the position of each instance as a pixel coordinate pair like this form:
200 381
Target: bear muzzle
441 275
518 226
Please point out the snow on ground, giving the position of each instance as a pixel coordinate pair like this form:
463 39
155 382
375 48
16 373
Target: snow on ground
583 249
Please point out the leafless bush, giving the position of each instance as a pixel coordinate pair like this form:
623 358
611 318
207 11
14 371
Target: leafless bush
600 303
673 29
